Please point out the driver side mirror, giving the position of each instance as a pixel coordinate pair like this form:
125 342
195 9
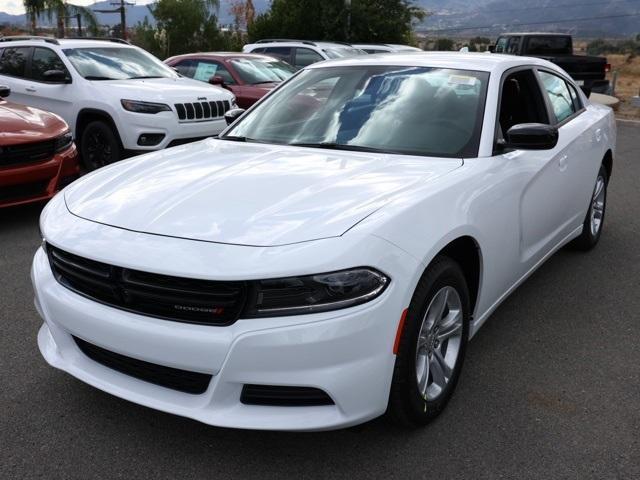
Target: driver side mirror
531 136
4 91
217 80
233 114
586 90
56 76
492 48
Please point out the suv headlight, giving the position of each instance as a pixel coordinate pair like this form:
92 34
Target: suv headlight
144 107
314 293
64 141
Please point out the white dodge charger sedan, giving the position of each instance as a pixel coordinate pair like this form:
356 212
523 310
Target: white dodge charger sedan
327 259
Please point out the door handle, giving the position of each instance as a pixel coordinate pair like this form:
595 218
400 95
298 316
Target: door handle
30 89
562 163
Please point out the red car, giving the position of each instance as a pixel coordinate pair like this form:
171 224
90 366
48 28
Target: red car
248 76
37 153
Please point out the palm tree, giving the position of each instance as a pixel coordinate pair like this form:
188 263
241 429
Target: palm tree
34 8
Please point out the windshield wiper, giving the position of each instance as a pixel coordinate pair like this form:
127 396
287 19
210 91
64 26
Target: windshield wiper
145 76
341 146
266 81
97 77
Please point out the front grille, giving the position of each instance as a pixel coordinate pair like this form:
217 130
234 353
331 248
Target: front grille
26 153
176 379
173 298
201 111
23 191
278 396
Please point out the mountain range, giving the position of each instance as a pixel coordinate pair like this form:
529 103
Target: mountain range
584 18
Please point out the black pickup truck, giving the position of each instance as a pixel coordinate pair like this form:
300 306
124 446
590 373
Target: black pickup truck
588 72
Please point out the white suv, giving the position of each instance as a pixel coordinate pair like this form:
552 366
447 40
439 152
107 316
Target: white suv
301 53
117 98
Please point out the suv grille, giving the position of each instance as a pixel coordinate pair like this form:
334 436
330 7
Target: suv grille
26 153
181 380
203 302
201 111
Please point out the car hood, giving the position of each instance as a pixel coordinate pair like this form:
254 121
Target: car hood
21 124
248 193
165 90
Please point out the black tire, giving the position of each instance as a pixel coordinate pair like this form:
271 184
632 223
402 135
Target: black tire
99 145
588 238
407 406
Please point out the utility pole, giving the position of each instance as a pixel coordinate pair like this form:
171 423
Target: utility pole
120 8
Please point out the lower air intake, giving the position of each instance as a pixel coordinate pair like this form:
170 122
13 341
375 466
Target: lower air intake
278 396
173 378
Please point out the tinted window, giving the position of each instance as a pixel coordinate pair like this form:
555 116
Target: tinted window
204 70
521 101
513 46
559 96
501 45
283 53
14 61
395 109
577 103
306 56
549 45
44 60
185 67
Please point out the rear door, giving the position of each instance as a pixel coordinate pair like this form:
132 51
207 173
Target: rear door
13 69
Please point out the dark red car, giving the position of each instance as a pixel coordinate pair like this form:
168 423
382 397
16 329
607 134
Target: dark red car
37 153
249 76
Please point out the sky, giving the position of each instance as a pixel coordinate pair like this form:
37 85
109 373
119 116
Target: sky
17 7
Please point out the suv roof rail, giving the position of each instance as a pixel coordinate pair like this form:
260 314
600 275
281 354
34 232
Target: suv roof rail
17 38
275 40
104 39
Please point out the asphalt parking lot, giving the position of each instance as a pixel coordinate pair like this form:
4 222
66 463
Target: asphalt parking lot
550 388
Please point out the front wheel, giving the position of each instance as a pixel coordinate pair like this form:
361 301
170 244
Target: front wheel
594 221
99 146
432 346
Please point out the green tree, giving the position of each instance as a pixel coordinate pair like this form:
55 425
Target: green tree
443 44
371 20
34 9
61 10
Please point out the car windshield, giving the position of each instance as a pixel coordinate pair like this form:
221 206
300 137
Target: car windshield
341 52
117 63
262 70
392 109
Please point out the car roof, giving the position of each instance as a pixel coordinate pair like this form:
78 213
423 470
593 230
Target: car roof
305 43
222 55
64 42
537 34
483 62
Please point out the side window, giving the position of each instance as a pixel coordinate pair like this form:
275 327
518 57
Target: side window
521 101
258 50
185 67
205 70
43 60
513 45
558 93
306 56
577 103
501 45
14 61
283 53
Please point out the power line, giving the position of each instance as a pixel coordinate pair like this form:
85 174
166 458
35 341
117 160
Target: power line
564 20
555 6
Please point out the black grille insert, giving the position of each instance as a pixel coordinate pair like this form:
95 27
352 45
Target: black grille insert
279 396
176 379
23 191
200 111
174 298
26 153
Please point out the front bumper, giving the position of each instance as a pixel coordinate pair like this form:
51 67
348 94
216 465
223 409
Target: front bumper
346 353
164 123
30 183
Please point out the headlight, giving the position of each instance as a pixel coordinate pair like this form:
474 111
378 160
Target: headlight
64 141
314 293
144 107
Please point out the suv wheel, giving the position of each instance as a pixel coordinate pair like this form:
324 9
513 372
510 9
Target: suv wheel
99 146
432 346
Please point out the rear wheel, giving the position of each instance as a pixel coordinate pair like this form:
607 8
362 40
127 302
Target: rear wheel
99 145
432 347
594 221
